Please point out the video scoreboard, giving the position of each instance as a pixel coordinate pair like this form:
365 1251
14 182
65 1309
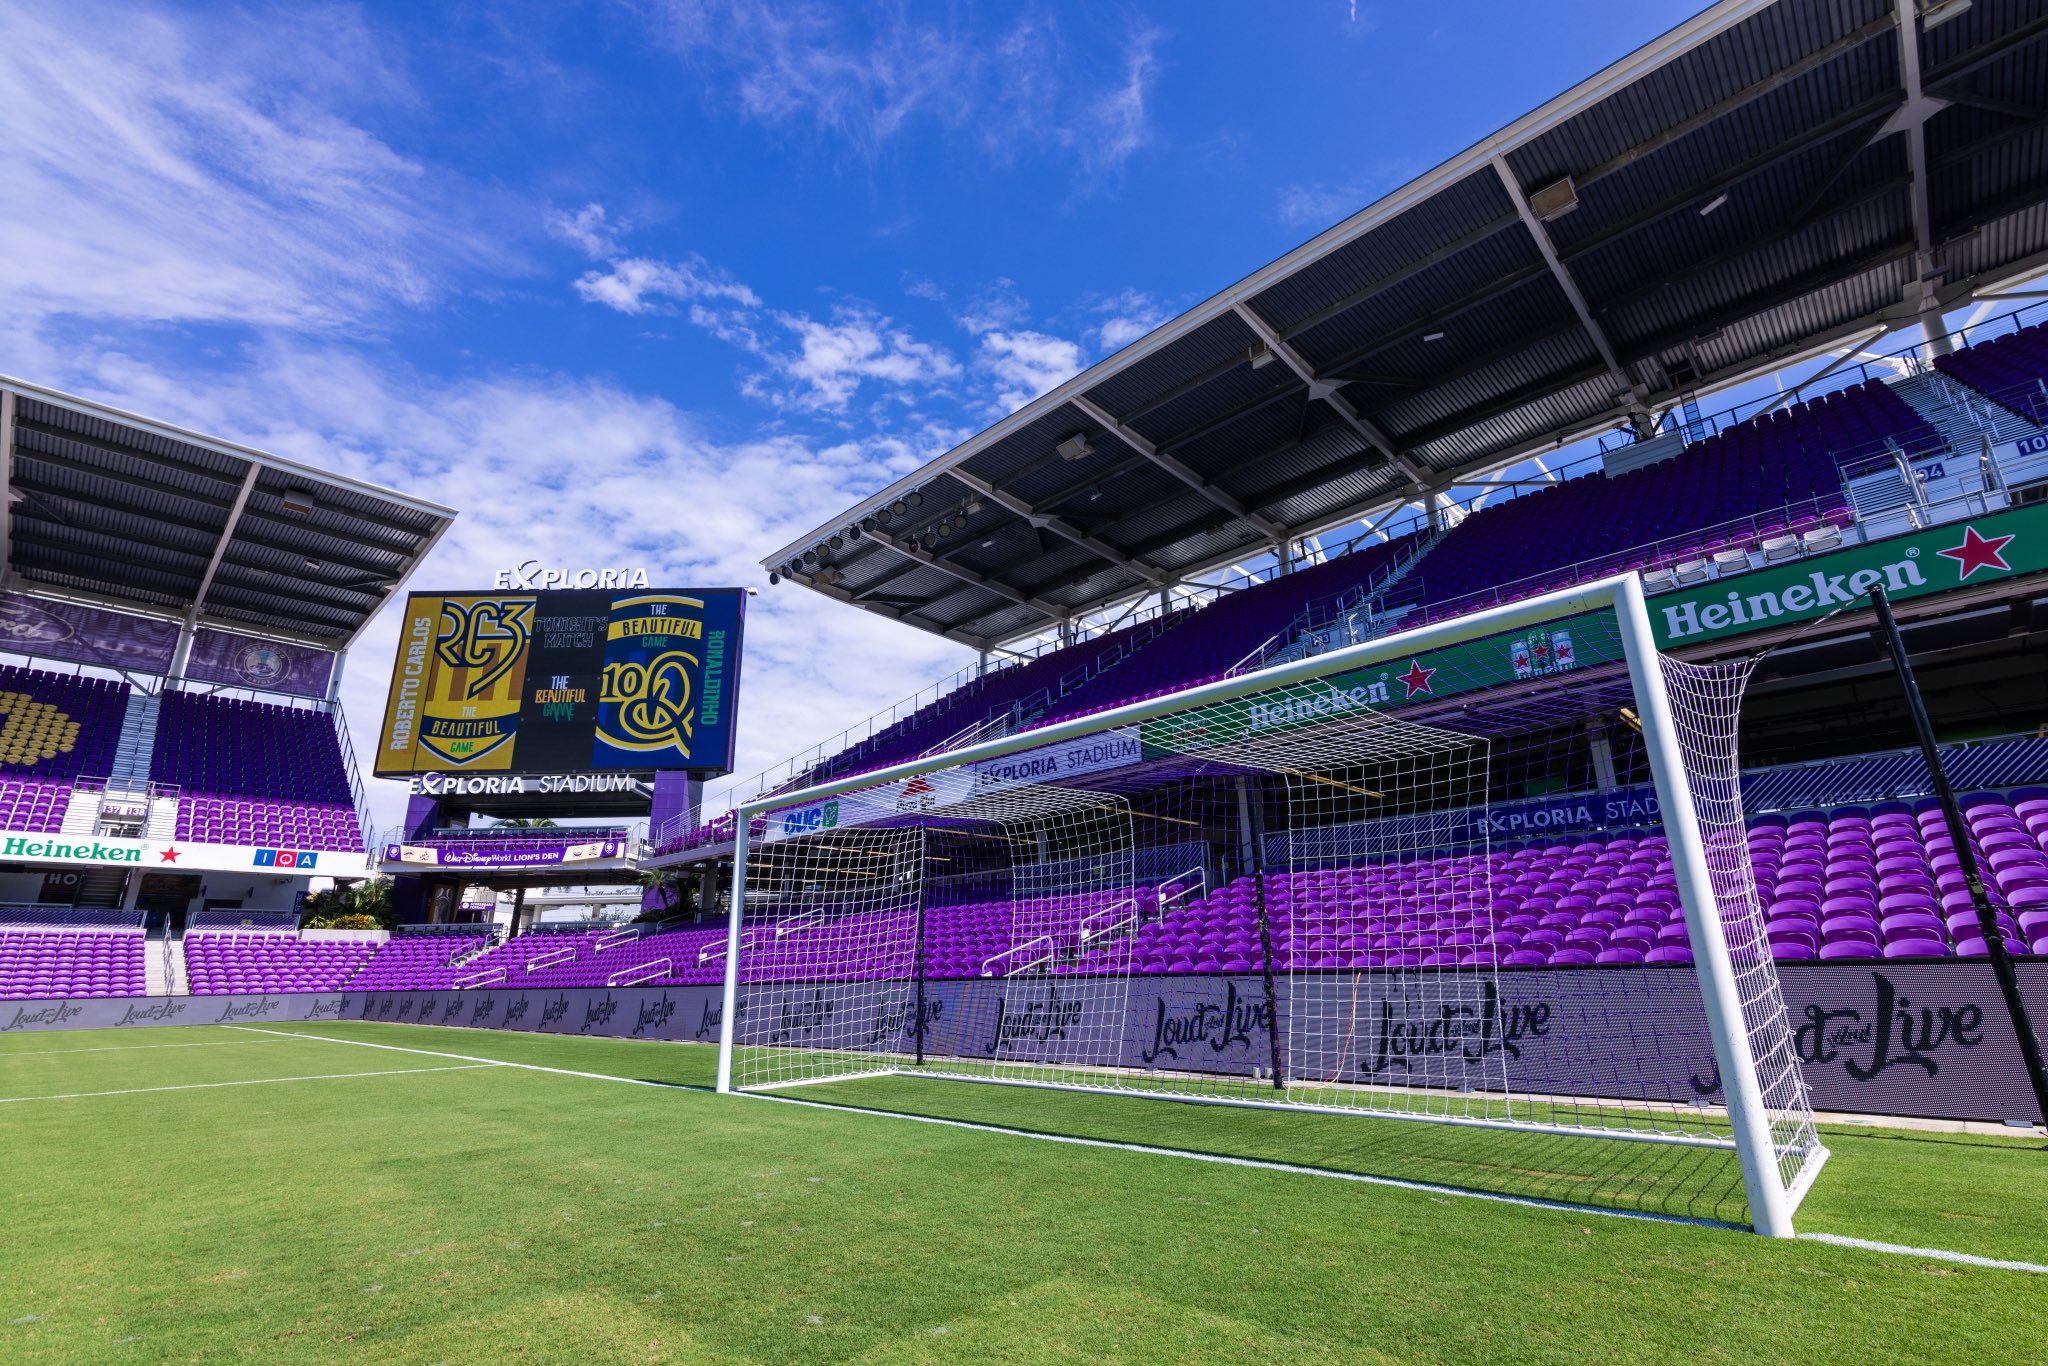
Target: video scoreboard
564 681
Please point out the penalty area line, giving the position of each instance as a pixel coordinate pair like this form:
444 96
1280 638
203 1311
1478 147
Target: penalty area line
252 1081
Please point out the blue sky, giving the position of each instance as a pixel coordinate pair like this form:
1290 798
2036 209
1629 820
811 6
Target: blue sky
670 282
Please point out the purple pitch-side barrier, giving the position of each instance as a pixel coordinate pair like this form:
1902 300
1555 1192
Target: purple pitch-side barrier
1893 1038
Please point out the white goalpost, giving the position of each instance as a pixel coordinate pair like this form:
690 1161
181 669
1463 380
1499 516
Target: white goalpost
1490 873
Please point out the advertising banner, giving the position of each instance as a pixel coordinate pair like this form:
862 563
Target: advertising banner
86 635
486 855
1918 1038
1939 560
1926 1039
564 681
1581 642
249 662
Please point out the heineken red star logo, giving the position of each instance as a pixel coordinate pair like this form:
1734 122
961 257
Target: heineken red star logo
1976 552
170 855
1417 678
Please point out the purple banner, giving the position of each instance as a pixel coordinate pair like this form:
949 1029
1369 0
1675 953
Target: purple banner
483 854
248 662
86 635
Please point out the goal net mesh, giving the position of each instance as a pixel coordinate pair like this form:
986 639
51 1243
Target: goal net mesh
1438 887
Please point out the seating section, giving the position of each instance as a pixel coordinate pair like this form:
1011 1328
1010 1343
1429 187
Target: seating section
71 960
226 961
1775 475
254 773
416 962
1225 633
33 806
2011 370
59 726
511 963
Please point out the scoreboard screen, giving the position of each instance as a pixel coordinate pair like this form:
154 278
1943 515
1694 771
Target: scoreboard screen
564 681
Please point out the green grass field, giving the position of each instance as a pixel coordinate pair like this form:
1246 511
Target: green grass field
307 1199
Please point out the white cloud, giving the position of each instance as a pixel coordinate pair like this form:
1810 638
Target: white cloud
1025 364
1116 126
833 358
637 284
162 169
863 78
1127 317
590 230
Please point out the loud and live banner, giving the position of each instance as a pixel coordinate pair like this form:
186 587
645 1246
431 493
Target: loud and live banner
566 681
1929 1039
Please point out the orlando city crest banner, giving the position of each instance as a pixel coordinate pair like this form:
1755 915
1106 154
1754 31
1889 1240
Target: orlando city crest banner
249 662
663 699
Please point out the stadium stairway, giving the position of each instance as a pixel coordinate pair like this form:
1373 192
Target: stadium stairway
138 741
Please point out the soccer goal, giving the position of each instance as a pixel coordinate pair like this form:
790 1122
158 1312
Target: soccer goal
1489 873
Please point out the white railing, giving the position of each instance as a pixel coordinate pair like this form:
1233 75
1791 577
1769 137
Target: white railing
1051 947
618 936
1089 930
550 958
624 977
484 978
809 920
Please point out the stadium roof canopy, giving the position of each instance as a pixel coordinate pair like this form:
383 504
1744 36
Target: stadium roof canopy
1768 181
108 507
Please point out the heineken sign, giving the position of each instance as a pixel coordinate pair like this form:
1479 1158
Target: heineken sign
1939 560
1558 647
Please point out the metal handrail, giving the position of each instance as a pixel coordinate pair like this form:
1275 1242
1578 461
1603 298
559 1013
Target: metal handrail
1136 915
1046 957
617 979
549 959
477 979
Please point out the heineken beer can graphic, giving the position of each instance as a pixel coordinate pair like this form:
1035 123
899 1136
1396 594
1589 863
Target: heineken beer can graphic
651 689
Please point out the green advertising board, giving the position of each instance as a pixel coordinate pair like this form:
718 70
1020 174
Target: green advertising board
1942 559
1552 649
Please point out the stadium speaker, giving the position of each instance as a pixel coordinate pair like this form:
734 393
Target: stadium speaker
899 507
928 540
298 502
915 499
853 533
1075 447
774 577
868 523
837 542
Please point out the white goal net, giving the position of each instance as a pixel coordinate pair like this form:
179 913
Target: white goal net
1492 874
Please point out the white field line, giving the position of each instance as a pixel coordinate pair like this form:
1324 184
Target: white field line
1939 1254
467 1057
1256 1164
111 1048
253 1081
